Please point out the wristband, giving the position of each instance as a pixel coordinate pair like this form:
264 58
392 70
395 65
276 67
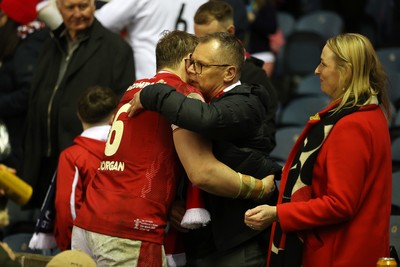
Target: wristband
240 184
250 187
262 192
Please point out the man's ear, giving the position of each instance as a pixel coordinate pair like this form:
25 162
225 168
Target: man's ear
230 73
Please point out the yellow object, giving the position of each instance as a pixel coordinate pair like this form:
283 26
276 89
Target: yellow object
315 117
15 188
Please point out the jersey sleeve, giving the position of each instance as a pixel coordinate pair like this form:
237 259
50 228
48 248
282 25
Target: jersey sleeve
68 189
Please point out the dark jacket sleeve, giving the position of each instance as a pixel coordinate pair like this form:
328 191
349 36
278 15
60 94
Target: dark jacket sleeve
15 102
228 118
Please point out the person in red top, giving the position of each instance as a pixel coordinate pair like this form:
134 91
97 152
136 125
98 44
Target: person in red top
335 198
122 221
78 163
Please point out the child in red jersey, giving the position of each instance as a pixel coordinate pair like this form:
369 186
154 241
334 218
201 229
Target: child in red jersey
78 163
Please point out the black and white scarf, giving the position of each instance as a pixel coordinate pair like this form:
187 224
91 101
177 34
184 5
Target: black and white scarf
43 237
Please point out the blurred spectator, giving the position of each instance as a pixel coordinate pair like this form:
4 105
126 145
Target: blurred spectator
81 53
240 19
263 22
144 21
141 22
21 39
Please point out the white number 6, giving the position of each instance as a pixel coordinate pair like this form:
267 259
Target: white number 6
118 128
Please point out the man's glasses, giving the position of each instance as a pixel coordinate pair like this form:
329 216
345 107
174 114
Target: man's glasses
198 66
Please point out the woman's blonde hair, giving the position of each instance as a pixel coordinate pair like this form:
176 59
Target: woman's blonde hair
361 72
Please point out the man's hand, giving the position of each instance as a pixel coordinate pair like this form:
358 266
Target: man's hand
136 105
260 217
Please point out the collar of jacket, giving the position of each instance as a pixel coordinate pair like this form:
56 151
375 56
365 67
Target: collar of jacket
60 34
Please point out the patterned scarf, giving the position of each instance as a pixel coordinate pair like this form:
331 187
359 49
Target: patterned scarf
43 237
287 248
31 27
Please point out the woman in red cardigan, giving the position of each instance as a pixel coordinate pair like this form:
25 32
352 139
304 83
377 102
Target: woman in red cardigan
335 194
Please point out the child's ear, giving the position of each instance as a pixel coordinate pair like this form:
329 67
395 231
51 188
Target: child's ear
111 119
79 116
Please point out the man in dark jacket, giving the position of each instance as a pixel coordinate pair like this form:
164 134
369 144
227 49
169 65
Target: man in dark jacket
218 16
81 53
235 121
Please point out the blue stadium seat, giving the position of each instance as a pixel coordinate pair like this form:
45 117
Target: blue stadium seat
286 23
309 85
324 22
394 88
302 53
19 242
298 111
390 58
285 139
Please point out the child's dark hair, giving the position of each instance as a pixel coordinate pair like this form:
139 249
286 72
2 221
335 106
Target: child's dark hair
96 104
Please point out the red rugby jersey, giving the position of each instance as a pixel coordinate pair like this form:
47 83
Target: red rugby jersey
135 184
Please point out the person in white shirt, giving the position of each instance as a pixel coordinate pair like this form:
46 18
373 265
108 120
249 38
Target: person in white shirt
143 21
